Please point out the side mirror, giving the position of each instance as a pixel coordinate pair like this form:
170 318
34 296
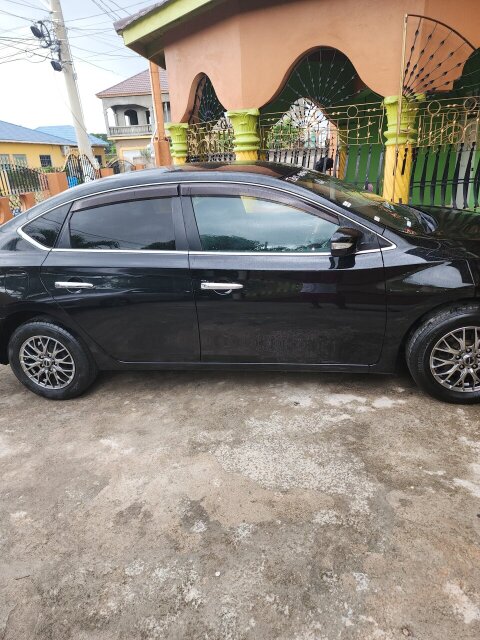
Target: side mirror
344 241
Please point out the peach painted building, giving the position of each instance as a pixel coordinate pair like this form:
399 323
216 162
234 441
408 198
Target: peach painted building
387 89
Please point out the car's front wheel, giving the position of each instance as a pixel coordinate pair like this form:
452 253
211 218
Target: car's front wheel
443 354
50 361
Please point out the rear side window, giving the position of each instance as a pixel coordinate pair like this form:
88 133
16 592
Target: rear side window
46 229
244 223
135 225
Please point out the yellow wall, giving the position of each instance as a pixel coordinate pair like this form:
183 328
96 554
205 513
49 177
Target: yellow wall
100 151
34 150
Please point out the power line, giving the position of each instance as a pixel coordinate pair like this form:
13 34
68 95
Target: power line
115 4
96 15
26 4
111 15
15 15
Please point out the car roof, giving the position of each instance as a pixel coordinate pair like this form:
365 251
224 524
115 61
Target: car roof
257 172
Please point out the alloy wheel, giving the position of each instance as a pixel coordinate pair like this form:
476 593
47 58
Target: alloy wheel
47 362
455 360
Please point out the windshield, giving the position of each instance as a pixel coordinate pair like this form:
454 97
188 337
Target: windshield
398 217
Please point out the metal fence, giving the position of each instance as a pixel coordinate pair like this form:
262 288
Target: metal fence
120 166
343 142
79 169
348 142
447 176
210 141
19 179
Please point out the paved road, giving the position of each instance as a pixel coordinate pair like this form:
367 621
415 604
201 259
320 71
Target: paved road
239 506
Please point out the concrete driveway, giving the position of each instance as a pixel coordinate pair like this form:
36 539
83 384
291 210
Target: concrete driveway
230 506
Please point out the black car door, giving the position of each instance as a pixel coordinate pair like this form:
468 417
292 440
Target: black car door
121 271
266 286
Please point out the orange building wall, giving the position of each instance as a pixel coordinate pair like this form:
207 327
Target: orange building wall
248 47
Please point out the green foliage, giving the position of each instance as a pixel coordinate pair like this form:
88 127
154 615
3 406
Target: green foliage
111 149
285 134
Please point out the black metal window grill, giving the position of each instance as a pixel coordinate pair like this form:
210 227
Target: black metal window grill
45 160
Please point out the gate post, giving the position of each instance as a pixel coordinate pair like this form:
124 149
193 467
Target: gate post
27 200
5 210
245 129
178 145
57 182
398 148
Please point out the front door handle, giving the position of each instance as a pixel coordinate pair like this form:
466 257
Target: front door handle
73 285
220 286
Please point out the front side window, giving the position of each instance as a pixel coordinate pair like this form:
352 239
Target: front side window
46 229
4 158
244 223
399 217
136 225
45 160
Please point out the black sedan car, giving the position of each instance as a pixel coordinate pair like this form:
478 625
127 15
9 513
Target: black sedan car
234 266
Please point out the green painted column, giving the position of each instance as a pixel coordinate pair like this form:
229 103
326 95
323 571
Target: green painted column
178 146
245 129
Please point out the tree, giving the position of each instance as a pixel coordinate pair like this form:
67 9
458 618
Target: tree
111 149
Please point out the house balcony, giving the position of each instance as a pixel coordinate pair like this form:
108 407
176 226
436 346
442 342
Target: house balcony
130 130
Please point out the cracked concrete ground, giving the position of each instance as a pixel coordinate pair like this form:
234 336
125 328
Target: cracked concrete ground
238 506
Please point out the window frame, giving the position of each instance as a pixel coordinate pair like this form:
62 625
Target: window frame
255 191
20 163
45 155
23 232
128 195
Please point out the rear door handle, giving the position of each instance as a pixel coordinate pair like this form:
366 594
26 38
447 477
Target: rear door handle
220 286
74 285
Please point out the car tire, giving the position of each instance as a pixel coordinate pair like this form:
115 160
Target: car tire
443 360
50 361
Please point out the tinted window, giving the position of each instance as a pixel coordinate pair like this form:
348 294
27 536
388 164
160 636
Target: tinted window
240 223
45 229
135 225
399 217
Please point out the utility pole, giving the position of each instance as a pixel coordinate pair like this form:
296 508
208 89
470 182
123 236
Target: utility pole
160 144
84 146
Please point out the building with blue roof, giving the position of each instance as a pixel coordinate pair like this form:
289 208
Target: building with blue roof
67 131
42 147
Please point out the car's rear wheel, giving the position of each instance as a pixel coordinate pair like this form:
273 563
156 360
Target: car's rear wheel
443 355
50 361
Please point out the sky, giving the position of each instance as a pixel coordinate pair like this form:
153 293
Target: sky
32 93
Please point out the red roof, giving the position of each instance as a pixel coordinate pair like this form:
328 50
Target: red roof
137 85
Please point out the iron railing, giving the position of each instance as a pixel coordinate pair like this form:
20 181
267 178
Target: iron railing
79 169
348 142
210 141
120 166
343 141
16 180
446 176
